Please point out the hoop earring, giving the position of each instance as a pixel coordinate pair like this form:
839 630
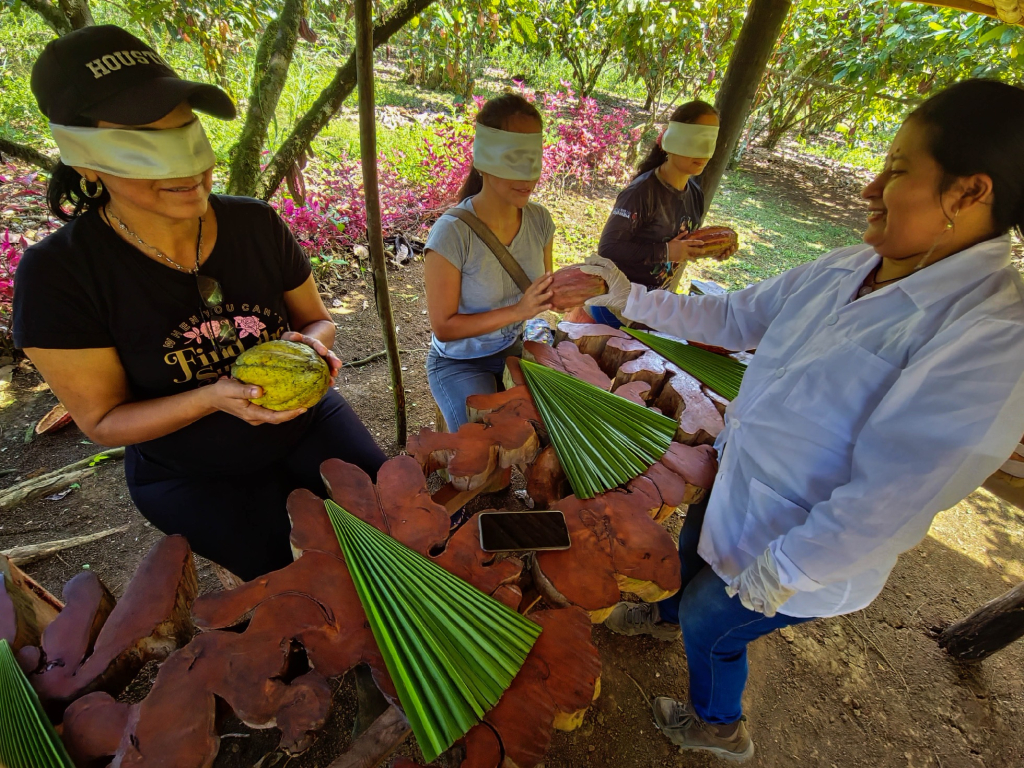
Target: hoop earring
84 186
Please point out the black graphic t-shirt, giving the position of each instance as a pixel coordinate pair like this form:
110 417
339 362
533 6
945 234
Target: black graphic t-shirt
84 287
647 214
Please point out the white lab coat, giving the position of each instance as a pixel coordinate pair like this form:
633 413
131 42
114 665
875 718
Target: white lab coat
858 421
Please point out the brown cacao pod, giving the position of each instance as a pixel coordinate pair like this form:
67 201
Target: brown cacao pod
716 240
571 287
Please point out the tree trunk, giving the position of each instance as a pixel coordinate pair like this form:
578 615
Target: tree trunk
271 71
51 14
371 193
757 40
77 12
25 153
327 104
993 626
595 71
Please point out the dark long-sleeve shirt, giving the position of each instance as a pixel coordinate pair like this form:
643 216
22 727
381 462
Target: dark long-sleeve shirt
647 214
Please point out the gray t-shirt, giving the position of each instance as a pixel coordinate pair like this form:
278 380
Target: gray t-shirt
485 283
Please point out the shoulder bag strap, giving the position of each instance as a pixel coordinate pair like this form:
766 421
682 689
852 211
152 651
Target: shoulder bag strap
501 253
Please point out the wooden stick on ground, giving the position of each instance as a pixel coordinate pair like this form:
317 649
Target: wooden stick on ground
993 626
375 356
55 481
377 742
30 553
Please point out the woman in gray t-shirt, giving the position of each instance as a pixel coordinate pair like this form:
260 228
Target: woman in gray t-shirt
476 310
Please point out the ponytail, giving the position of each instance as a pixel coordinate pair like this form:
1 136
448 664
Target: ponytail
65 189
472 185
685 113
495 114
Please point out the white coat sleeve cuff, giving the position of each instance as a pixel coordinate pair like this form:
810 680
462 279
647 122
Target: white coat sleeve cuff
789 574
634 304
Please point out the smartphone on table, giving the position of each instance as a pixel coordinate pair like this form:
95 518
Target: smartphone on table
522 531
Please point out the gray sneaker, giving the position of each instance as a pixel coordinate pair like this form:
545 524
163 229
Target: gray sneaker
684 727
641 619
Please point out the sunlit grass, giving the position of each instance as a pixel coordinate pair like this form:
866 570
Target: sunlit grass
774 236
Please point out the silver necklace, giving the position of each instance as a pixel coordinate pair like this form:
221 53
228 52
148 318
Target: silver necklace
199 244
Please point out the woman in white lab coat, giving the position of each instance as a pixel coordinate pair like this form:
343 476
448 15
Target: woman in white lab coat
887 385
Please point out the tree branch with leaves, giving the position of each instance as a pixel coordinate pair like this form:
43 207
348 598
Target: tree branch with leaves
62 16
584 33
326 106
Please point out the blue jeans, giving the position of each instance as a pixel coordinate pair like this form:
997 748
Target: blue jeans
716 630
452 381
603 315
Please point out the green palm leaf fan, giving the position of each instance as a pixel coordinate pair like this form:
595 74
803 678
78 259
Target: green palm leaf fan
451 650
602 440
723 374
27 739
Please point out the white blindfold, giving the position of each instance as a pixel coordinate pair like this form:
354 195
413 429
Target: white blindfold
172 153
508 155
690 140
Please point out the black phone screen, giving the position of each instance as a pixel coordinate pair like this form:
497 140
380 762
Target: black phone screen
503 531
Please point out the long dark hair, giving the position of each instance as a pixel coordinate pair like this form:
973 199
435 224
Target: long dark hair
685 113
495 114
977 126
64 191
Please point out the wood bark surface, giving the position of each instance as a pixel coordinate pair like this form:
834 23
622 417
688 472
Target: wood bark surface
99 644
30 553
269 646
26 609
990 628
58 480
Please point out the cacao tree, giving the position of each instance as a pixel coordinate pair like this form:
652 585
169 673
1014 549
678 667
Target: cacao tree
278 25
448 44
847 65
216 26
678 47
585 33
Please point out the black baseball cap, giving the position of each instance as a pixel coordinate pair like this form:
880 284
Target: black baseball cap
105 73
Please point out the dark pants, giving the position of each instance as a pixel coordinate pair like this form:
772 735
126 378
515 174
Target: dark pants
716 629
240 521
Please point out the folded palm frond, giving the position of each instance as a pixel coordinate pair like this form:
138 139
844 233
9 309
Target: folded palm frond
27 739
723 374
451 650
602 440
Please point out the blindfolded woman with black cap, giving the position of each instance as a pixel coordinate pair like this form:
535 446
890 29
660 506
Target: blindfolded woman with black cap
134 311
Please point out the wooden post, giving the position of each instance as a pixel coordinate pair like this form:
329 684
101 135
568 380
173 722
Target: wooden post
747 64
993 626
374 234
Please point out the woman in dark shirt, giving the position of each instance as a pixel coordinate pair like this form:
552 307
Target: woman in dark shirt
662 204
135 309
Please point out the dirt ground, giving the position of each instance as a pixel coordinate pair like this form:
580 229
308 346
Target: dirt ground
869 689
